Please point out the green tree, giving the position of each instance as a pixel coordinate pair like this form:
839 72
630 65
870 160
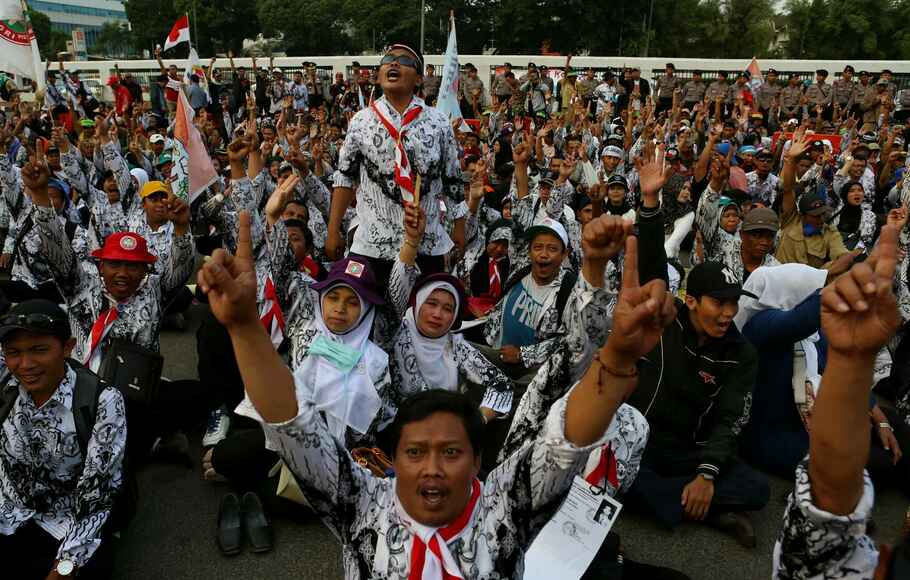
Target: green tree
50 41
151 22
307 27
114 40
219 25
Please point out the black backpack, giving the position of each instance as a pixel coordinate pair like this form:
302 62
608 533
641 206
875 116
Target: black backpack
562 297
86 394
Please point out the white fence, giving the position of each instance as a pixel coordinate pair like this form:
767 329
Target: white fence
486 65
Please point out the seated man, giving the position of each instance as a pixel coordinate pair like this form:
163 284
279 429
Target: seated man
833 498
805 237
752 249
59 472
444 522
696 390
546 302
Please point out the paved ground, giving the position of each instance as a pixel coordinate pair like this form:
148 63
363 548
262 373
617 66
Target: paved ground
172 536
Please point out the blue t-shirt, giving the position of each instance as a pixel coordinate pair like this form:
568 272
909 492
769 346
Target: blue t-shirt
522 312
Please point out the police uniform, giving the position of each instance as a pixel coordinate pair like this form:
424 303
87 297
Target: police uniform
844 93
693 92
820 94
791 101
665 87
765 95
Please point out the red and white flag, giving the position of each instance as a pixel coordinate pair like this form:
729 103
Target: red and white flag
193 171
755 76
179 33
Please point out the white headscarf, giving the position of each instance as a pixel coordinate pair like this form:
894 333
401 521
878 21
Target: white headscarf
348 399
141 177
784 287
435 359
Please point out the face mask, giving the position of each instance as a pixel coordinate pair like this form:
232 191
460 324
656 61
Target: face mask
809 230
342 357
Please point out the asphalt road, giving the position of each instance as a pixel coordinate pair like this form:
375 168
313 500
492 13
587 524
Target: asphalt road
173 535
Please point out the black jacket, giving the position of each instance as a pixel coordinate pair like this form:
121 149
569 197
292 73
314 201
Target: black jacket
697 397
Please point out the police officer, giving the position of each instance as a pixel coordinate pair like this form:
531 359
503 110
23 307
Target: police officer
819 94
767 92
844 91
666 84
791 97
694 90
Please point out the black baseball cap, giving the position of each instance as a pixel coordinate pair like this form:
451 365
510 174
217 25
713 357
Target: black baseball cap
811 203
715 280
38 316
618 180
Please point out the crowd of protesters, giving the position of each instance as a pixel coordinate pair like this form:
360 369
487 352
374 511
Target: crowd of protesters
424 329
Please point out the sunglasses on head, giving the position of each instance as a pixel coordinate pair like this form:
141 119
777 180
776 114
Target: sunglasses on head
402 59
35 320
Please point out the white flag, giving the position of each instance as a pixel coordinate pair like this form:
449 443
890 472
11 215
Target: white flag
194 67
18 47
448 91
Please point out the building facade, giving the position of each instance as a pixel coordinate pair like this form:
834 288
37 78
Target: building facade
88 15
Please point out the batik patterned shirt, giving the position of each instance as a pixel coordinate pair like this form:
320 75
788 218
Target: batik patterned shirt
368 159
363 511
44 477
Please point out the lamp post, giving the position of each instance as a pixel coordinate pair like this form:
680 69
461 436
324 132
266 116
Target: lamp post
422 12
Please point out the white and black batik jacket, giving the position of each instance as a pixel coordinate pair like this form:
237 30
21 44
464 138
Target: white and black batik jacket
368 159
817 545
517 499
44 477
80 283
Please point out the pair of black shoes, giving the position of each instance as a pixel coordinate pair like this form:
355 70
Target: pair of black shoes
237 516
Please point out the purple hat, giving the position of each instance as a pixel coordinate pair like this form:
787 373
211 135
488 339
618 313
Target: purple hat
353 272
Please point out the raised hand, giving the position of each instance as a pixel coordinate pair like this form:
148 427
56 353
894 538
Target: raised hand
800 144
897 218
653 173
604 237
566 168
521 154
859 309
179 213
274 207
640 316
229 281
415 223
239 149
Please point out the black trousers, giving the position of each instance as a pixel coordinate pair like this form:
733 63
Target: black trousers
243 459
664 474
29 554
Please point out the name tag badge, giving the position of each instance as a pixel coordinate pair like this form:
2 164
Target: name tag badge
568 543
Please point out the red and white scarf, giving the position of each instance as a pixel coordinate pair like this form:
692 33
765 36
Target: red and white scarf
100 329
430 556
403 175
605 470
270 314
495 290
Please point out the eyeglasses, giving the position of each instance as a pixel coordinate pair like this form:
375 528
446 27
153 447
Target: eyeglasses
35 320
402 59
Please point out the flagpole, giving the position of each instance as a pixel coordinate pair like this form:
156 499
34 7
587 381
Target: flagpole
422 12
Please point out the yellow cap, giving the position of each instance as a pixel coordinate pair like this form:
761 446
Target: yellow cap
152 187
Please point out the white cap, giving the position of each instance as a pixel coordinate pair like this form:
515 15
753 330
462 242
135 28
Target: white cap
554 227
156 138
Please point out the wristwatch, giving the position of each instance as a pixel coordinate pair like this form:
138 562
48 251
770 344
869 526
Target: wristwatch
885 425
65 567
707 476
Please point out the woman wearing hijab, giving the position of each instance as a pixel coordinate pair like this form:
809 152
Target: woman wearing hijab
329 326
429 355
784 325
857 225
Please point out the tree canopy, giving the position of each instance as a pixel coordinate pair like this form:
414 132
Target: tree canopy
810 29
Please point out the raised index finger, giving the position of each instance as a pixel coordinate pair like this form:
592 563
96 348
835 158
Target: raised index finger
630 264
244 239
885 253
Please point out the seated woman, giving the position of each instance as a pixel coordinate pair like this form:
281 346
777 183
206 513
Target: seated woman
428 355
784 325
445 522
856 224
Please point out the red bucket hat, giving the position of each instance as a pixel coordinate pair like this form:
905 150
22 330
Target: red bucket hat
125 247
